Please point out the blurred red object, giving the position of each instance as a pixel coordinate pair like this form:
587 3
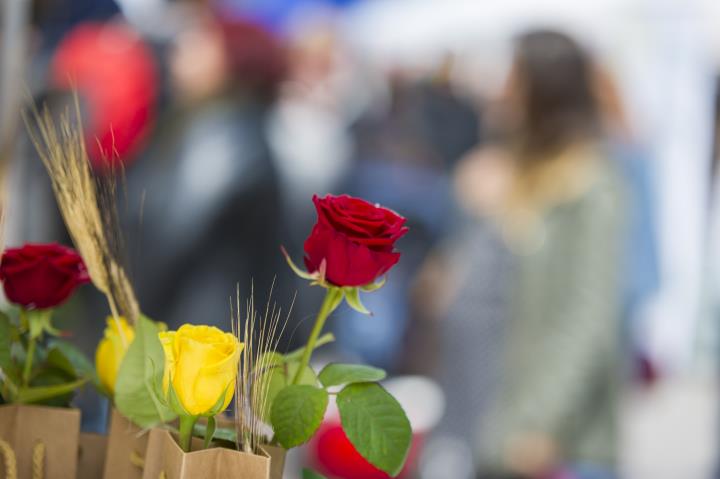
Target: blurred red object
333 455
255 56
336 457
646 371
114 73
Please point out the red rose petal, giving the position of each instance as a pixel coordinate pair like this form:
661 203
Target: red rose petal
41 275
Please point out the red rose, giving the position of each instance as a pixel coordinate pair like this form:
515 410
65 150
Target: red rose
41 276
355 238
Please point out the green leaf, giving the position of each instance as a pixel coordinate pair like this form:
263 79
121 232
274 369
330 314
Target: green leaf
41 393
278 378
80 363
209 432
56 359
296 354
156 386
270 359
8 391
297 413
6 328
45 376
335 374
308 474
220 433
376 425
142 369
352 296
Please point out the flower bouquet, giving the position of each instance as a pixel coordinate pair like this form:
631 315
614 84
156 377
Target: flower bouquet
87 205
349 250
170 388
280 400
39 432
127 440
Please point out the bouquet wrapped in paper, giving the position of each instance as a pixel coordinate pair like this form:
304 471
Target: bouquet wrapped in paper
169 389
39 372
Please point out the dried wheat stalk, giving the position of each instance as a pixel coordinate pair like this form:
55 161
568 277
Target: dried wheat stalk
260 335
87 204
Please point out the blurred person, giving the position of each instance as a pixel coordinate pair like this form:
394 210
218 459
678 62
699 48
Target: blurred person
308 125
404 151
641 278
309 131
86 47
208 212
553 203
54 19
459 302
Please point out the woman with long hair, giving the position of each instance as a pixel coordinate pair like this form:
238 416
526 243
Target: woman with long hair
559 209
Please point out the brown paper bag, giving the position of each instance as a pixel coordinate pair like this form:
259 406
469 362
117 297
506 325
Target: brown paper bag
166 460
277 460
91 457
126 447
277 454
42 440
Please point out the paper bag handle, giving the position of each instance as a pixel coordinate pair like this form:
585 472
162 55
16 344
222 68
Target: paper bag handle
38 460
8 456
137 460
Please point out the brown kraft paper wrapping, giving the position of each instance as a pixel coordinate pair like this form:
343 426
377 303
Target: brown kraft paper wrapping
277 454
42 440
91 456
126 447
277 460
166 460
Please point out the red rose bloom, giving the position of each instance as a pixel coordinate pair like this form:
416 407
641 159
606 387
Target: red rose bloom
41 276
355 238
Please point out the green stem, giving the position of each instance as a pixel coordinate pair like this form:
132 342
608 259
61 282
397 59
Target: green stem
333 296
29 360
186 428
38 321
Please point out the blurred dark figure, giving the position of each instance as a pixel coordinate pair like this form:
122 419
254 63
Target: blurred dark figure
403 155
640 278
207 212
55 18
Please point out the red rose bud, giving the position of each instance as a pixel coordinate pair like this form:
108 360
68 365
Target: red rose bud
41 276
355 239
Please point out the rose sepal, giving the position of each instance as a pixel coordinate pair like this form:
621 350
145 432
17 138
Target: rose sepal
188 421
370 287
209 431
38 321
218 407
352 297
174 403
316 277
351 294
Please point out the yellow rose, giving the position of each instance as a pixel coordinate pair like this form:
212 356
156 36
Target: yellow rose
201 362
111 351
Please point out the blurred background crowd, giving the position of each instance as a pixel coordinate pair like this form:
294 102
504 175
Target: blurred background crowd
555 311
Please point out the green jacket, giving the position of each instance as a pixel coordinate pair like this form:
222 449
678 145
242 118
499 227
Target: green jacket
561 367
